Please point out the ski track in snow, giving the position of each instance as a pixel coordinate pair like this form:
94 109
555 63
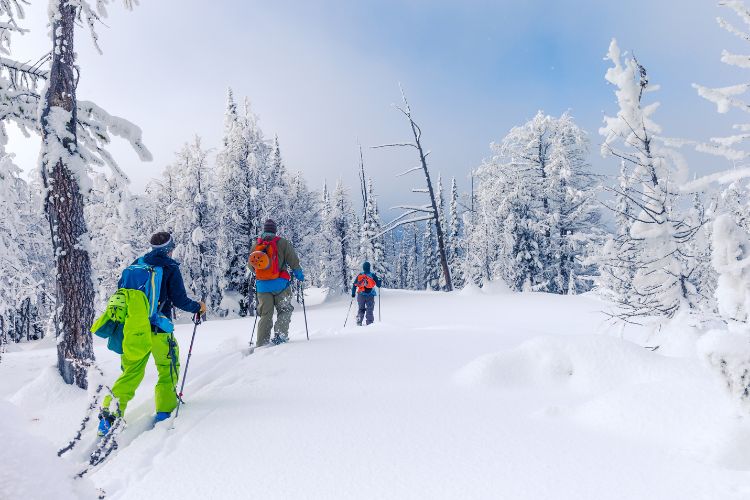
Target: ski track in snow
462 395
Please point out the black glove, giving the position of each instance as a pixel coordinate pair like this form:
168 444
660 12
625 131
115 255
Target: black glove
353 294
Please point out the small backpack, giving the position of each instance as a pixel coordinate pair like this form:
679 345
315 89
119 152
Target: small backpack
147 279
365 283
265 260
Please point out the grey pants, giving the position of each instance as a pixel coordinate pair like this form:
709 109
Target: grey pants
282 302
366 305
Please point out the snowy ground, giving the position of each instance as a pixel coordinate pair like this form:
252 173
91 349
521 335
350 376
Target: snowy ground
465 395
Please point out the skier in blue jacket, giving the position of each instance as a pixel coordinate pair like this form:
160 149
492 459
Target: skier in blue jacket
364 289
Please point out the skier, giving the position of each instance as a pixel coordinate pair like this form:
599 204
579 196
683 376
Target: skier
143 336
364 288
270 259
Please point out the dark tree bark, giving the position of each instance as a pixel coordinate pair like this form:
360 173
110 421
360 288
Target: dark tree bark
438 226
64 205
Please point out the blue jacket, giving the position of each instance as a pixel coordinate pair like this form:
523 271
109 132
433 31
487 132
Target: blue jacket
172 293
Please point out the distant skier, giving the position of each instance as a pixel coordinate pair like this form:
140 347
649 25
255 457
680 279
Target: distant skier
270 259
364 288
147 328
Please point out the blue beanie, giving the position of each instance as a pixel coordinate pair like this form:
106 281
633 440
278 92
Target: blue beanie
366 267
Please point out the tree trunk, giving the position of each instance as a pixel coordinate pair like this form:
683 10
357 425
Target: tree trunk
64 206
438 226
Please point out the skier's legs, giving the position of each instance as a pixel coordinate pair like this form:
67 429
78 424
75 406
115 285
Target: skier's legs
131 377
265 311
362 307
167 359
370 306
284 309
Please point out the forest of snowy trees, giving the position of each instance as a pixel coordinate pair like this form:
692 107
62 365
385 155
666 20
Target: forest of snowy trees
534 214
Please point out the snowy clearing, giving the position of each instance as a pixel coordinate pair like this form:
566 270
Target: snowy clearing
474 394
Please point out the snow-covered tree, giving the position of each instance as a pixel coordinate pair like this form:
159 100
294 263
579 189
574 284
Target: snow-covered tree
75 135
455 244
372 241
536 210
302 225
236 214
113 232
430 262
25 258
729 98
329 245
193 213
657 239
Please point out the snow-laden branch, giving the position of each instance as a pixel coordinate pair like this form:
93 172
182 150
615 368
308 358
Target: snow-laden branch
93 14
395 145
726 177
100 125
406 172
422 208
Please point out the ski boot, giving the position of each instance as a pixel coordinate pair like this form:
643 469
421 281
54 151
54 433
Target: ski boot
161 416
280 339
106 420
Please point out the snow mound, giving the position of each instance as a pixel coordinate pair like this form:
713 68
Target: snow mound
31 470
494 287
584 364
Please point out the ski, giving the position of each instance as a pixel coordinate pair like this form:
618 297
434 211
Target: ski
106 446
93 405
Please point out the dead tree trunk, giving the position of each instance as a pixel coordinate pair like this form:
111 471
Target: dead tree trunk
64 206
436 214
432 207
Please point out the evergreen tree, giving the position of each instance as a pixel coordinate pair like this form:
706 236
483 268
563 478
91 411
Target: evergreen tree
192 212
236 198
113 232
26 300
430 262
658 233
455 249
536 209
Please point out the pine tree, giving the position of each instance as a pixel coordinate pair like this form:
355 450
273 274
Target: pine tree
192 211
455 250
236 212
430 262
330 246
658 233
113 234
25 257
536 209
372 241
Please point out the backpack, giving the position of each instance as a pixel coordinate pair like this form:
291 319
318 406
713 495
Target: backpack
265 260
147 279
365 283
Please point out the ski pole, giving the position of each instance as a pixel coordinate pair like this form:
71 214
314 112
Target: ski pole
196 321
349 311
304 311
255 322
380 318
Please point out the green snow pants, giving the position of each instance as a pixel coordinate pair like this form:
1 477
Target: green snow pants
282 302
166 353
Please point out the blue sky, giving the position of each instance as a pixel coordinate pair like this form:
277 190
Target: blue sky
323 75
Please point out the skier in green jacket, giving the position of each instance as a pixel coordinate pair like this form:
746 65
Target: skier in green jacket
142 339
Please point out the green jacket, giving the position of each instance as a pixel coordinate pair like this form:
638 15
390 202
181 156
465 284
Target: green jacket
132 338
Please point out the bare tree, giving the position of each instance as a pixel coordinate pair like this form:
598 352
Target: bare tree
428 212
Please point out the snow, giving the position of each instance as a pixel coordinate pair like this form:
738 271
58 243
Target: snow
480 393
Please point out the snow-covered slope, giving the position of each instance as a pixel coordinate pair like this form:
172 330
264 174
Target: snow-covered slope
463 395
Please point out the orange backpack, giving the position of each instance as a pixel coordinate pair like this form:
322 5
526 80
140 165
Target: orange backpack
365 283
265 260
